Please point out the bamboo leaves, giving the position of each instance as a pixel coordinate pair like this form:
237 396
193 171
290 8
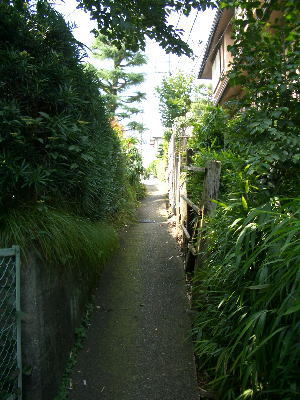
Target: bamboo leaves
254 306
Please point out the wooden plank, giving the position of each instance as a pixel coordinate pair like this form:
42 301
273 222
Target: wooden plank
190 203
184 208
194 168
210 192
177 201
185 231
211 186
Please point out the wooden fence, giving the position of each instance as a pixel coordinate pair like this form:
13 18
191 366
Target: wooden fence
191 215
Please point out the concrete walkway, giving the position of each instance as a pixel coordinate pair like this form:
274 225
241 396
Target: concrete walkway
137 346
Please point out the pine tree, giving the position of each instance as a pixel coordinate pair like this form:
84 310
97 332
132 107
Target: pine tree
116 82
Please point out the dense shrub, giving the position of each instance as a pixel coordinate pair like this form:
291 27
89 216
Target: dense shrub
57 147
62 165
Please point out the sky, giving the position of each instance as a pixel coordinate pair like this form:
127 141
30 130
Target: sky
197 28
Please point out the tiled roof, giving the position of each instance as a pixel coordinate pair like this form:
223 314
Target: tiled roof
208 43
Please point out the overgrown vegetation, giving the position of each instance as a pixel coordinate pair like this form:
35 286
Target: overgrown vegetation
247 329
80 336
61 238
66 175
247 295
132 21
63 169
134 167
247 292
176 94
62 163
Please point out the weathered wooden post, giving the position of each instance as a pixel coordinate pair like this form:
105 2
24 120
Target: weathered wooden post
211 186
171 172
210 192
183 204
186 209
178 183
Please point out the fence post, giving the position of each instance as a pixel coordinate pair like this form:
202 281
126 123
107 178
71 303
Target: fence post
177 193
171 174
183 205
10 325
183 209
210 192
18 312
187 221
211 186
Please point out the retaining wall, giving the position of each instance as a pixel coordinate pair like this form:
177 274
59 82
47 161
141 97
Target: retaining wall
53 302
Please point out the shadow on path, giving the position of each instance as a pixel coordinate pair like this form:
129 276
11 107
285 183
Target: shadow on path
137 346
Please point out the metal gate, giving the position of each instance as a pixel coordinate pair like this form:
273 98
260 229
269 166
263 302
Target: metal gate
10 325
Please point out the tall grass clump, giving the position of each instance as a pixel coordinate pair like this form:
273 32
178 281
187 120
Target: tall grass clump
248 296
62 239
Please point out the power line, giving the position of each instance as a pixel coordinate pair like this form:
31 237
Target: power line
70 13
180 15
192 26
189 35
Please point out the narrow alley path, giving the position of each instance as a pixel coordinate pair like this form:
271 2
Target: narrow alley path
137 346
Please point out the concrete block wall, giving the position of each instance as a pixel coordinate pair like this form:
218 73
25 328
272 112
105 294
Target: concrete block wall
53 300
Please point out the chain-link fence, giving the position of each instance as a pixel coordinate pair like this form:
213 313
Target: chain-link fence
10 325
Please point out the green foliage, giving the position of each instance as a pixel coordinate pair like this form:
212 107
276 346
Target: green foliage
266 61
80 336
114 82
157 168
261 128
130 22
247 293
210 127
134 166
57 147
63 239
167 135
175 97
247 328
179 94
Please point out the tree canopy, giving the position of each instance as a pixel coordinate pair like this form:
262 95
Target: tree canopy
132 21
176 93
114 82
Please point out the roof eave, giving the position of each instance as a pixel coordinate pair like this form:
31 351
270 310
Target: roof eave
222 16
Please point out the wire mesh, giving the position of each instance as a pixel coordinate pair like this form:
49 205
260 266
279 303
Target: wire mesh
10 364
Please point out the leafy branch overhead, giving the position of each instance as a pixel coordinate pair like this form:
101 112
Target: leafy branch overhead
130 22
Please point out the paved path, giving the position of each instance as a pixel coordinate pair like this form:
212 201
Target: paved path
137 346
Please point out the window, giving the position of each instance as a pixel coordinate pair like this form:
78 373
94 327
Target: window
218 66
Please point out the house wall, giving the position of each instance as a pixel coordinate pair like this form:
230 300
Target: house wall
221 60
223 92
216 64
